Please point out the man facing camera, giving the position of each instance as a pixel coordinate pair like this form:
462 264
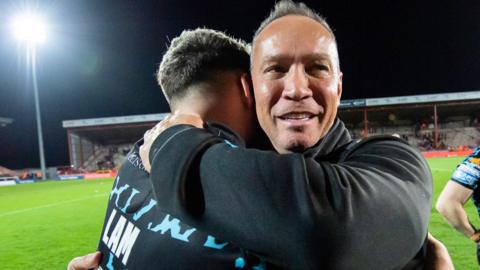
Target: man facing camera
321 201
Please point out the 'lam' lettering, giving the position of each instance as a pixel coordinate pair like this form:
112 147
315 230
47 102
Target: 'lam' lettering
122 238
128 239
117 233
107 228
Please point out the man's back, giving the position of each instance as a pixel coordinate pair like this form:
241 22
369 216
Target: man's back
137 234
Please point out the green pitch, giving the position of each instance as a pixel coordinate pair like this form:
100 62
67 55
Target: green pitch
45 225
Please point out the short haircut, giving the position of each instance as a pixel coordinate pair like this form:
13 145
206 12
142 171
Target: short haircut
287 7
196 56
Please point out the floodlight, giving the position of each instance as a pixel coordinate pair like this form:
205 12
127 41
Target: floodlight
30 28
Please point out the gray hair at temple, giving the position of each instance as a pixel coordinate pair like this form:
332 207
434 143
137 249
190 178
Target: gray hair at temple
287 7
198 56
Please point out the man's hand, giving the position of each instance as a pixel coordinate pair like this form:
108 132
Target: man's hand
171 120
85 262
437 255
478 253
475 236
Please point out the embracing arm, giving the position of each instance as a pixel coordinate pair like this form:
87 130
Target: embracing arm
297 211
438 257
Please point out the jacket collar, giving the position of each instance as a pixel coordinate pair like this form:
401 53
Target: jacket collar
336 138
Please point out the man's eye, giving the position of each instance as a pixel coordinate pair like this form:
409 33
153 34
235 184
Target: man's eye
275 69
318 69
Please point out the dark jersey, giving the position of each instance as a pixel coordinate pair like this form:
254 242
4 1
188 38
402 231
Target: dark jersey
467 174
138 234
339 205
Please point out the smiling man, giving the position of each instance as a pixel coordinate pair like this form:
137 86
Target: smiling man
297 82
321 201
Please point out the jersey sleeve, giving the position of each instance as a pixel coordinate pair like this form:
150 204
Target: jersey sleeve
467 173
370 210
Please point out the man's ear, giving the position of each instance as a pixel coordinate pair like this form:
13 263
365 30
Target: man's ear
247 90
340 85
339 88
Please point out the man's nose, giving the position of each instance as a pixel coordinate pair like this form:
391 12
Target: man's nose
296 85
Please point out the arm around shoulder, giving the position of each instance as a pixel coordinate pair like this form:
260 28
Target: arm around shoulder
373 202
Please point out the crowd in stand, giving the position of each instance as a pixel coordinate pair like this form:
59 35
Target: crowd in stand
422 134
30 175
108 161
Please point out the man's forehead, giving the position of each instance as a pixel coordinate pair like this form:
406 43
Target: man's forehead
293 36
292 29
292 25
273 56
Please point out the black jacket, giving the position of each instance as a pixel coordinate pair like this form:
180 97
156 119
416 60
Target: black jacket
139 234
339 205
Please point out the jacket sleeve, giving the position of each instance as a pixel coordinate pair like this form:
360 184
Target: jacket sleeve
370 209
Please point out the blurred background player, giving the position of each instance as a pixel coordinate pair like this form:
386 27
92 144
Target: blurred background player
463 185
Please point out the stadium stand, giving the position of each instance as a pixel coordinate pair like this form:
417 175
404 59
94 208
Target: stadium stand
7 177
102 143
430 122
7 172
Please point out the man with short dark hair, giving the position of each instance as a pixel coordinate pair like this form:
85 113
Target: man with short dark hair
200 74
324 202
204 73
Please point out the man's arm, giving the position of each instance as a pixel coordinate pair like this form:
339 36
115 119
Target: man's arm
295 210
450 205
437 255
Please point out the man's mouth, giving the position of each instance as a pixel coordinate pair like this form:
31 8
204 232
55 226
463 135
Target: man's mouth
297 116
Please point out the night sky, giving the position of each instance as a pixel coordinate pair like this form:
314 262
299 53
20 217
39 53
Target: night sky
101 56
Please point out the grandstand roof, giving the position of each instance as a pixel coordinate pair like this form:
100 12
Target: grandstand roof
425 111
5 121
403 100
113 130
114 120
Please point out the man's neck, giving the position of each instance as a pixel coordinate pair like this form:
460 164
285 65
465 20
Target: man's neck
200 107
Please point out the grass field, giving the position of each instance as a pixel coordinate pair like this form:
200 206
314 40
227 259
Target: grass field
44 225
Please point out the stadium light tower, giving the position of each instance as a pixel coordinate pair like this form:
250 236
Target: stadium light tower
30 29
